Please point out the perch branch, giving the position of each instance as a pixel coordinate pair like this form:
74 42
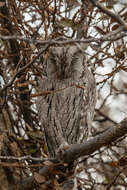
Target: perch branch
86 148
92 145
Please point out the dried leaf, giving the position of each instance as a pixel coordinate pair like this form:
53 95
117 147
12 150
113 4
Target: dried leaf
110 4
15 149
25 84
125 84
123 161
69 23
119 53
2 4
39 178
115 27
114 163
48 163
99 30
57 184
3 180
1 141
72 3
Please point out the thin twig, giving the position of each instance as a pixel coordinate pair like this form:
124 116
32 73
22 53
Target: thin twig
23 69
116 17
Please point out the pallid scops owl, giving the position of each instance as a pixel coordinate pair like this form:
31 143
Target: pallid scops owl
71 101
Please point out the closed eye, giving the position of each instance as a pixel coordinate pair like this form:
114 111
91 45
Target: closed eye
53 60
74 59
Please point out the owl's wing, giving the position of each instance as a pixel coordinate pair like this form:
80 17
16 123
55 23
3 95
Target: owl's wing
89 104
60 114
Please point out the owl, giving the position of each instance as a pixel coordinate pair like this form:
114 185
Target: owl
66 113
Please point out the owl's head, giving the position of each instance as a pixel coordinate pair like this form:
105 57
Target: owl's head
64 62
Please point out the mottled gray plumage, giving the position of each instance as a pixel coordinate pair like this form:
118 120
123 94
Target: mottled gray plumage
72 101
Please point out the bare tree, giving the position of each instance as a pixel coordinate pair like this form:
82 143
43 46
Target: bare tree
30 32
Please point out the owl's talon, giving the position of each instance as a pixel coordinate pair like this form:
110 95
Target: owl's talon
62 148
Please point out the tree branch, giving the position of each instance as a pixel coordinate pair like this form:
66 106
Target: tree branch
112 36
90 146
23 69
116 17
77 150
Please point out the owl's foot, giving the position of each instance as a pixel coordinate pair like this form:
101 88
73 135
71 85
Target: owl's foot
62 148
